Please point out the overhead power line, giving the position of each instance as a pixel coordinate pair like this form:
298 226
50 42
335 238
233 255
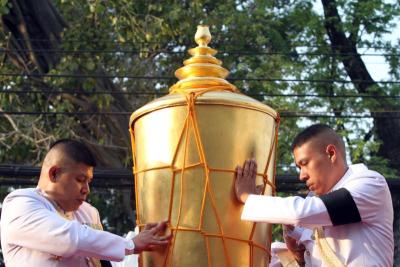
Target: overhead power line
161 93
66 75
163 51
127 76
215 43
288 114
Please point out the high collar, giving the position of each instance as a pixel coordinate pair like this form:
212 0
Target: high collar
69 215
355 168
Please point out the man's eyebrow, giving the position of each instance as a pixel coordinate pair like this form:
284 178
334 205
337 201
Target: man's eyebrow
87 177
300 162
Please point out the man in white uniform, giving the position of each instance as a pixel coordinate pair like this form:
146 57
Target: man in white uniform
345 221
52 225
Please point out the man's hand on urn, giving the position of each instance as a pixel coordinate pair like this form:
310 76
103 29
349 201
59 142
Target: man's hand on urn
296 249
245 182
151 237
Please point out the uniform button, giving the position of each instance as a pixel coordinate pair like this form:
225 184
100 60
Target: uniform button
308 253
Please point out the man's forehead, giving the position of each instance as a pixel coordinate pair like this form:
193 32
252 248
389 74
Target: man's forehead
85 169
306 150
79 168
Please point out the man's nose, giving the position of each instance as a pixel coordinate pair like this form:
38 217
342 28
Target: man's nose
86 189
303 175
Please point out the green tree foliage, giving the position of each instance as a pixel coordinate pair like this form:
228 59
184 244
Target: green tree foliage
279 46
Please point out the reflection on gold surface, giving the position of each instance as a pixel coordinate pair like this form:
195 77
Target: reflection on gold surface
186 146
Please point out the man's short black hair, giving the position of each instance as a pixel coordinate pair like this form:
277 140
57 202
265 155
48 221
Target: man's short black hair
76 151
308 133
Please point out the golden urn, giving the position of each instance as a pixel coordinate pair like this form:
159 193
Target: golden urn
185 148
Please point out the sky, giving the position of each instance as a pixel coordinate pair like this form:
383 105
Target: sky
376 65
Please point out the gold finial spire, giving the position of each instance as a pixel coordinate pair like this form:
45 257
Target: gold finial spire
202 70
203 35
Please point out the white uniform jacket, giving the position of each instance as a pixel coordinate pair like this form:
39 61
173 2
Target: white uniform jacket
34 234
357 218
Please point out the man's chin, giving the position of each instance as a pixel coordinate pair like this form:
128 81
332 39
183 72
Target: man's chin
318 193
79 203
313 192
75 206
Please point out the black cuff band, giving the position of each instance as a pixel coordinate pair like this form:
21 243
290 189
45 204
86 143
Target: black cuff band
341 207
105 263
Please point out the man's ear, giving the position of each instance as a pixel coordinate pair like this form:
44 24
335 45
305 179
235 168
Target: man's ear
53 172
331 152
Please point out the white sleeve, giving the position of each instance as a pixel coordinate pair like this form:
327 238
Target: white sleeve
28 223
309 212
371 196
130 260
